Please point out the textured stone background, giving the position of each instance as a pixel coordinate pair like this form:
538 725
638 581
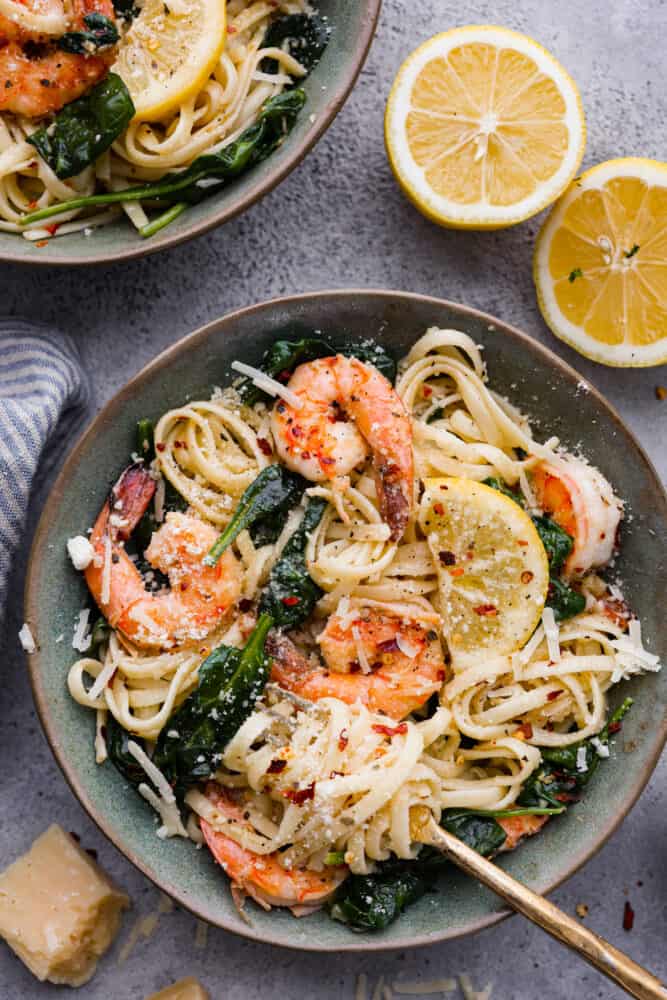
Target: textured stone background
339 220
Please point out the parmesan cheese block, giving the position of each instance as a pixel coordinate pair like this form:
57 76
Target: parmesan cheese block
58 910
184 989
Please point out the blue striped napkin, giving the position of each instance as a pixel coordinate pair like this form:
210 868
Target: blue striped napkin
43 395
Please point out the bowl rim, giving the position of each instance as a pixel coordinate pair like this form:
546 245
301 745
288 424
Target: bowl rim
256 191
32 587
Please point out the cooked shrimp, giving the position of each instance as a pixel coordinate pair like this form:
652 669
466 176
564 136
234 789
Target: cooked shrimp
518 827
582 502
261 876
348 408
402 657
199 596
38 78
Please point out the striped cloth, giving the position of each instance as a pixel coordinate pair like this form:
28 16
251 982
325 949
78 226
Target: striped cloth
43 395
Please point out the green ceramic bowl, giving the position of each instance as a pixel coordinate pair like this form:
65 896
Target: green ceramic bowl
540 384
327 87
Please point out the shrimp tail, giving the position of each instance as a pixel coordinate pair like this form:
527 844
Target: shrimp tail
395 506
129 500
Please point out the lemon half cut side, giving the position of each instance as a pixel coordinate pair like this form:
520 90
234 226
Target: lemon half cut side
600 265
483 128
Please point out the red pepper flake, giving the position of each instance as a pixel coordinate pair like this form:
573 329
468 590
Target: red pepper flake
327 461
447 558
427 391
41 243
53 228
231 30
264 446
438 508
457 571
526 730
289 602
553 695
343 739
522 543
442 675
615 727
276 766
526 576
297 796
628 917
398 730
388 646
486 610
160 446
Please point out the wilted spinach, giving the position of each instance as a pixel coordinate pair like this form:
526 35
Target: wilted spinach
305 37
290 593
116 739
230 682
82 131
101 34
263 506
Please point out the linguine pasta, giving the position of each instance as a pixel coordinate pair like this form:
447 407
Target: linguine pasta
363 772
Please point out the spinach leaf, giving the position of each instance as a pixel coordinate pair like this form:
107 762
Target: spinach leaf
230 682
271 495
499 484
255 143
116 739
125 9
305 37
101 34
556 541
481 832
98 634
564 600
290 594
564 772
372 902
280 360
145 440
84 129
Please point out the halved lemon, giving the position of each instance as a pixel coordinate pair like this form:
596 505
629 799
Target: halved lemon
600 264
483 128
168 53
492 568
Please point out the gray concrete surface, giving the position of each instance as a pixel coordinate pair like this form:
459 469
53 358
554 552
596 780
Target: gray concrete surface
340 220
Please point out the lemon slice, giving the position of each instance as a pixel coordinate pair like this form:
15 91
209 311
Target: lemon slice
483 128
600 264
492 567
168 53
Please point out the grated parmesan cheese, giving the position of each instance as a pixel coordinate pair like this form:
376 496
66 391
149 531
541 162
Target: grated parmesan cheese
267 384
106 571
80 551
102 680
601 749
582 763
552 634
406 647
82 636
361 652
165 802
26 639
158 500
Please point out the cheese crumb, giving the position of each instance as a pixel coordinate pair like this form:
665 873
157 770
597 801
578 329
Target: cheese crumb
26 639
80 551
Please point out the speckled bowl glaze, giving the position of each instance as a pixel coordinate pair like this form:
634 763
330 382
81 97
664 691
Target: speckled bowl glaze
327 88
540 384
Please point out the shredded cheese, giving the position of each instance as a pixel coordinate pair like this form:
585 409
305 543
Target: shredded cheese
102 679
158 500
26 639
601 749
361 652
406 647
582 763
165 802
268 384
106 571
82 636
552 634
